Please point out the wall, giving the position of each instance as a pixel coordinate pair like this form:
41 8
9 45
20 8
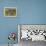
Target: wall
28 12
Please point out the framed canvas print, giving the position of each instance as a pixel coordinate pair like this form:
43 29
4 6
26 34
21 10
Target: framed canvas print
10 11
32 32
